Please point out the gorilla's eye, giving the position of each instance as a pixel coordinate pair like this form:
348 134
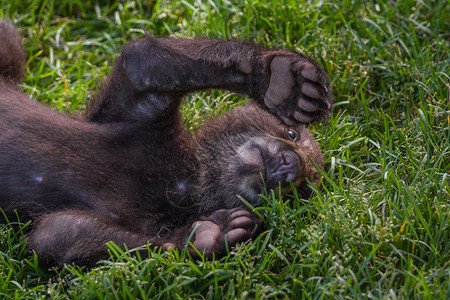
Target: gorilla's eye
292 135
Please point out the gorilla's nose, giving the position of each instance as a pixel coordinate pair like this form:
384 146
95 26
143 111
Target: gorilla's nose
289 167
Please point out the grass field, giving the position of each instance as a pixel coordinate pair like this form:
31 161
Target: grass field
378 228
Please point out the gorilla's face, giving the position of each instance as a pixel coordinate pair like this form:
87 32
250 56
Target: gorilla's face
272 161
276 162
248 155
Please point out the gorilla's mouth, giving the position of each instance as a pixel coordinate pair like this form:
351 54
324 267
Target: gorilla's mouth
269 163
282 167
285 167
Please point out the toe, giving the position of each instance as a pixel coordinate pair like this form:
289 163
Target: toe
310 90
241 222
307 105
302 117
240 213
310 74
168 246
236 235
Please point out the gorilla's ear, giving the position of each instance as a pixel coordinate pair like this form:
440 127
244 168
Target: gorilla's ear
12 56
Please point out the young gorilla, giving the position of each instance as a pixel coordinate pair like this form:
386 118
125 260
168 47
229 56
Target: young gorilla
132 174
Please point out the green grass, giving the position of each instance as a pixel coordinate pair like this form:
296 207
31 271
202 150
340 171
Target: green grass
378 228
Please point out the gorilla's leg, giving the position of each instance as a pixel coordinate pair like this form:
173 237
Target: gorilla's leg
81 237
78 237
152 74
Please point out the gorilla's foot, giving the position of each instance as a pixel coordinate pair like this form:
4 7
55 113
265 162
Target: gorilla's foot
223 229
298 89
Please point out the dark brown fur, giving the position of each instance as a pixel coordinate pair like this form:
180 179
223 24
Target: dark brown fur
131 174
